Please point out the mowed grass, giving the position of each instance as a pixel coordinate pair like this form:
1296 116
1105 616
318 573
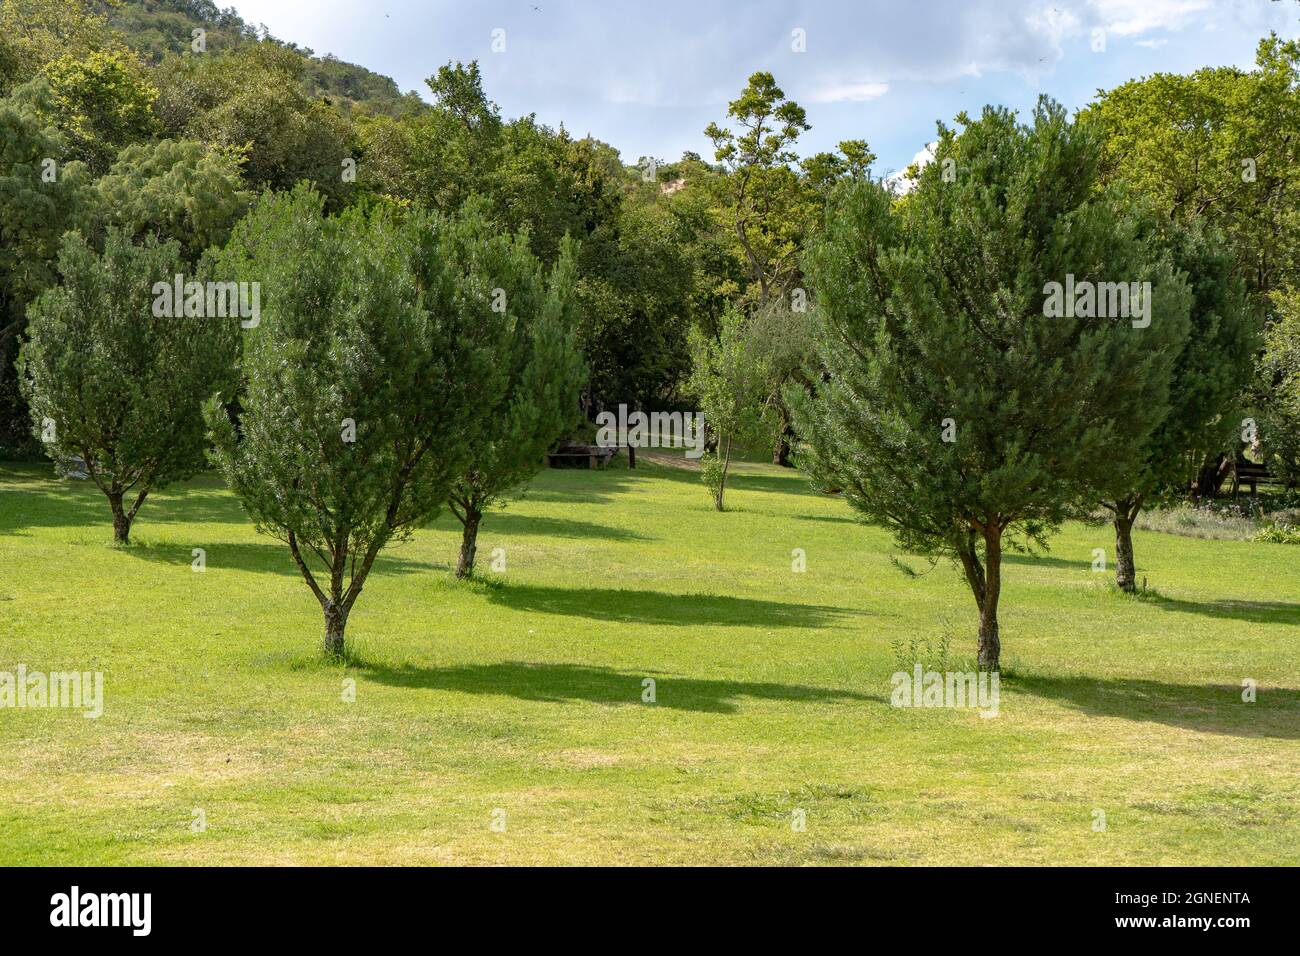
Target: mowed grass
522 692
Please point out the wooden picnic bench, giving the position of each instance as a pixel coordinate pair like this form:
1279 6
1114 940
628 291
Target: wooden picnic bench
573 454
1248 472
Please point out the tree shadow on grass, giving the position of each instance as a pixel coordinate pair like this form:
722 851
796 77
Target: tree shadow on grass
627 606
1047 561
511 522
1211 709
833 519
54 504
1254 612
563 683
795 483
256 556
580 485
50 502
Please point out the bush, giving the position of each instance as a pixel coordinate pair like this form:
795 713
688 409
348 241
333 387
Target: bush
1279 534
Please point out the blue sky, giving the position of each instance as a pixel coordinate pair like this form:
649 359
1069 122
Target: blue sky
647 77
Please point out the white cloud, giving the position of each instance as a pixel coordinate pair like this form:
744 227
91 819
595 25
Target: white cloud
1135 17
899 183
847 92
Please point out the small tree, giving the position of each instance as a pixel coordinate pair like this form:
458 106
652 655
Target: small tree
728 377
958 411
366 381
1212 368
782 340
534 399
110 379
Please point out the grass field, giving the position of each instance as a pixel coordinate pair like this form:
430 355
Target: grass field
522 692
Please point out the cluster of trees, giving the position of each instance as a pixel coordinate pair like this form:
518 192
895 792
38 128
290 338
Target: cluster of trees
445 291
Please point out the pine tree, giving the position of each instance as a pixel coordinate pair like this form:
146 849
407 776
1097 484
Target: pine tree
535 399
114 380
955 410
1211 370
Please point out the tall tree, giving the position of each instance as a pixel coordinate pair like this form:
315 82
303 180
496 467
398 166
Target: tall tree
958 409
253 98
534 398
1221 145
764 195
111 380
41 197
34 33
365 381
1212 369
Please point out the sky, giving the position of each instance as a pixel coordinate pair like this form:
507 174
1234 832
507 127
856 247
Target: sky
648 77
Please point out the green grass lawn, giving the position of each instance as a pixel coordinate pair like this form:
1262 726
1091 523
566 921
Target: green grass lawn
522 692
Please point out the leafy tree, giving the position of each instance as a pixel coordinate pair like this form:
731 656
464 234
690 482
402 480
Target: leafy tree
764 193
438 156
34 33
956 411
533 398
252 98
729 379
635 300
40 199
1278 390
1213 366
782 341
182 190
112 381
101 103
1218 145
825 170
365 381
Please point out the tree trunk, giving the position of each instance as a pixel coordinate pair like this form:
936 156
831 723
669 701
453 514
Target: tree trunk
1126 513
1125 573
468 542
336 622
990 642
985 581
781 448
121 521
1209 480
722 481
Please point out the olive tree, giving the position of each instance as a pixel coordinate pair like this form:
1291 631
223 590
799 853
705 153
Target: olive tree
962 406
730 379
113 378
